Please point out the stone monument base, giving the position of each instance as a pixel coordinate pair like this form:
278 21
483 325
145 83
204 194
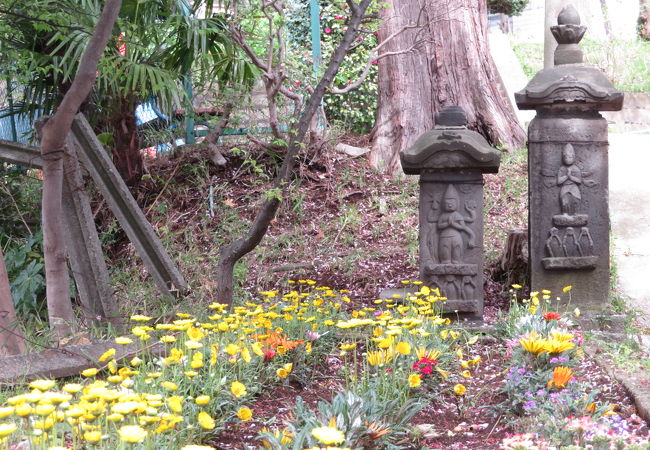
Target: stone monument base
570 263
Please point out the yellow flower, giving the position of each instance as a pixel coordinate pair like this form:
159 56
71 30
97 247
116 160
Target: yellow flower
6 411
108 354
244 414
135 361
91 372
170 386
246 355
567 288
72 388
140 318
7 428
516 286
422 352
285 370
576 312
206 421
414 380
123 340
44 409
404 348
237 389
42 385
466 373
193 345
175 403
93 436
534 344
197 447
561 335
232 349
132 433
202 400
557 346
168 339
347 346
23 410
460 389
328 435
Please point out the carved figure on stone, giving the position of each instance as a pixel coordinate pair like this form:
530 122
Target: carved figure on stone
570 243
446 237
569 178
451 288
585 242
468 288
554 245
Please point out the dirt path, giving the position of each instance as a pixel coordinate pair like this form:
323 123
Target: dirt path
629 204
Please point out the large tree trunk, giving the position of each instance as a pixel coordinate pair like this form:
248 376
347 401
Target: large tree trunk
11 340
126 142
451 66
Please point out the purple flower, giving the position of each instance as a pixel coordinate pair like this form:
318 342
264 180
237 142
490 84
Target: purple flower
530 405
313 335
521 371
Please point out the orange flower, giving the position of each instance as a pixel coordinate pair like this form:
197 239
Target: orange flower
274 340
561 376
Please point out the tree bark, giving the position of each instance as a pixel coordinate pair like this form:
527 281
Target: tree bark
126 142
451 66
644 20
54 133
11 340
231 253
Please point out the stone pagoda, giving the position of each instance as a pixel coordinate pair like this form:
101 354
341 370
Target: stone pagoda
568 222
451 161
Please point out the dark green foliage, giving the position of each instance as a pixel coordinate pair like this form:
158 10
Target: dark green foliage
509 7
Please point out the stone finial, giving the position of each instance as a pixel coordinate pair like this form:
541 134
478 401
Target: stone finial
568 16
451 116
568 33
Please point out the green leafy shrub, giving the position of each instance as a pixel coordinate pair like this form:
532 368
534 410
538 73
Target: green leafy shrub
354 111
26 269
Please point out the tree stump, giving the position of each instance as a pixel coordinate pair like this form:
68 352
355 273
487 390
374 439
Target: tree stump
514 261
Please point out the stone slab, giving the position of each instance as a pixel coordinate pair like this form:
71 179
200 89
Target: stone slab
20 154
67 361
118 197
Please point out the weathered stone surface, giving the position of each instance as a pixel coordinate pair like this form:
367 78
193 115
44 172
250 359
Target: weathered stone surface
568 177
66 361
451 160
21 154
351 150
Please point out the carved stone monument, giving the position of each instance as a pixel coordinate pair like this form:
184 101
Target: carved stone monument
567 171
451 161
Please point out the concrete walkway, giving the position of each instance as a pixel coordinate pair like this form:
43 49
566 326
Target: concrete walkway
629 205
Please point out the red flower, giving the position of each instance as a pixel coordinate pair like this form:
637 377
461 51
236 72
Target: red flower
424 365
552 316
269 354
328 30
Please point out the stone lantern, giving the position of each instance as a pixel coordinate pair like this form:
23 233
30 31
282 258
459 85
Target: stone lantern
451 161
568 222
